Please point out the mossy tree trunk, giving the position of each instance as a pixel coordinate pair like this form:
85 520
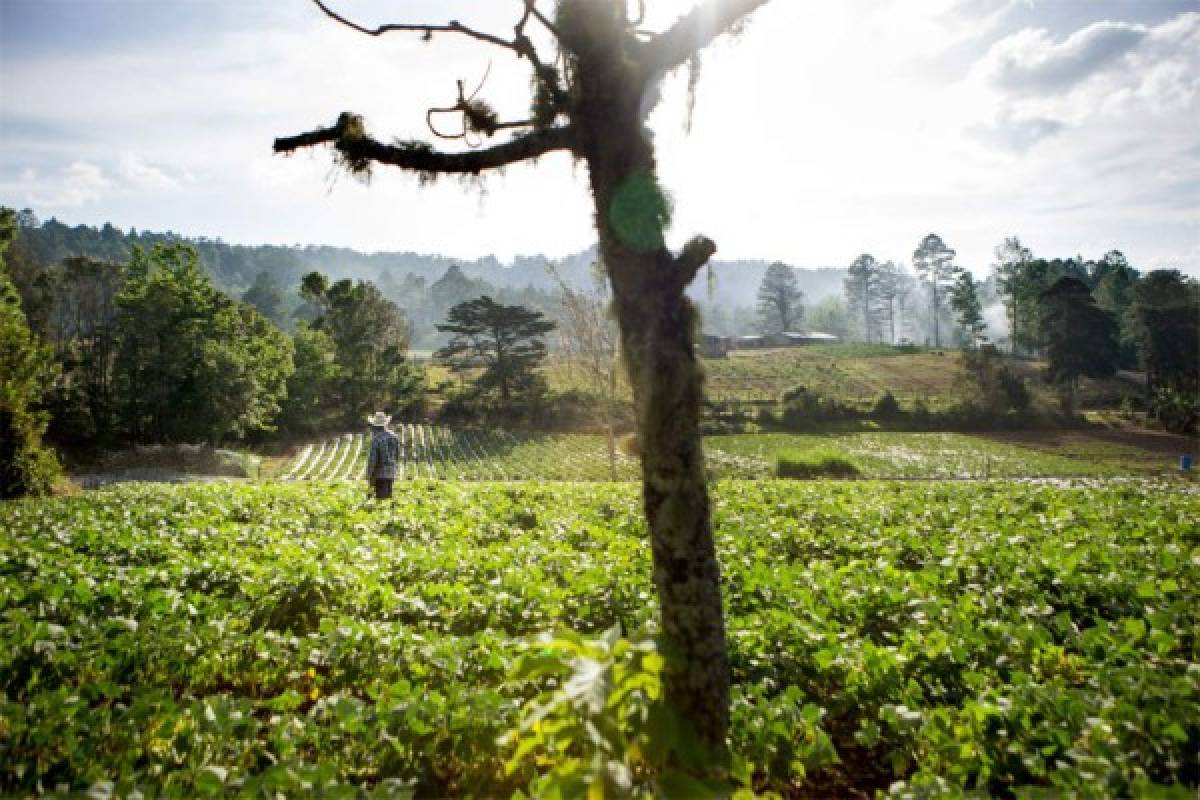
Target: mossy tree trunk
656 324
596 109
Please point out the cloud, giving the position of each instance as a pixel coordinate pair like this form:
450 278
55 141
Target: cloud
141 175
1032 62
975 18
75 185
1014 133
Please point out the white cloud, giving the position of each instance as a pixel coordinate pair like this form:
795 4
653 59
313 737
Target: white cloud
1031 61
143 176
75 185
825 130
1014 133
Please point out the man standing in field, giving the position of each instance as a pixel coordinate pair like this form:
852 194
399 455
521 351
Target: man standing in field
383 457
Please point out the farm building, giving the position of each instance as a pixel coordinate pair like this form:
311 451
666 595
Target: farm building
795 339
712 346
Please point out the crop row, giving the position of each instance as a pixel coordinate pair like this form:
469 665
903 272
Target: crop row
429 451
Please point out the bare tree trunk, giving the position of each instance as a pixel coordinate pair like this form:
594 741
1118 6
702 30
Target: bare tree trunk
610 403
937 340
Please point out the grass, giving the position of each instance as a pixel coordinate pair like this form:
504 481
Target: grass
857 374
953 455
823 462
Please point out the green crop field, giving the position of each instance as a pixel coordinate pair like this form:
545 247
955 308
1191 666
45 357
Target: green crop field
429 451
922 639
434 451
953 455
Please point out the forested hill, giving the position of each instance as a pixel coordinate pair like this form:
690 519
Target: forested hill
234 267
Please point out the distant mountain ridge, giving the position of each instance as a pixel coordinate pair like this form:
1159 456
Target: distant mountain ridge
235 266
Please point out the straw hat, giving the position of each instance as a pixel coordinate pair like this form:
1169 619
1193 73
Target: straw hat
379 419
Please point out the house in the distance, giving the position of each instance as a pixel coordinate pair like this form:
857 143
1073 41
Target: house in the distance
797 339
712 346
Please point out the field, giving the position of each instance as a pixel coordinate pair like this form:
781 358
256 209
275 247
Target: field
856 375
432 451
258 639
467 454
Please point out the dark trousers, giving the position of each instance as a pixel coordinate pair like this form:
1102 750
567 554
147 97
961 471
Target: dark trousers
383 488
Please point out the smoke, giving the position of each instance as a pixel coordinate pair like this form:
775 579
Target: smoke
995 317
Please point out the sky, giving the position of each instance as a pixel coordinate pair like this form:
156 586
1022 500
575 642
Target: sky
825 129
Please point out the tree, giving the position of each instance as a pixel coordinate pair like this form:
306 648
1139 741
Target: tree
267 297
892 288
830 316
1166 325
1080 338
964 299
82 326
370 336
27 371
505 340
193 364
934 263
862 294
1113 281
595 107
312 389
1011 269
780 301
589 340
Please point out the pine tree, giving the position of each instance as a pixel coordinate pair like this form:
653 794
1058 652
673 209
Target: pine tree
892 288
780 301
1080 339
964 299
506 340
1012 279
934 263
862 295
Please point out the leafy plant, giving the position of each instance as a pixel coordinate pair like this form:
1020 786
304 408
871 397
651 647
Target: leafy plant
814 464
601 728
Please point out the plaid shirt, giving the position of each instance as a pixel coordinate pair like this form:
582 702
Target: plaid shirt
384 455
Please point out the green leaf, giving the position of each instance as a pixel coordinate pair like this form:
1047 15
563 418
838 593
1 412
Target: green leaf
1134 628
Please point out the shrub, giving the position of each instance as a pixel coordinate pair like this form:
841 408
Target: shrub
1178 411
26 467
997 388
886 407
805 410
819 463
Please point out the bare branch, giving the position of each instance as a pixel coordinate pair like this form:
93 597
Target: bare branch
520 44
359 151
693 257
694 31
453 26
540 17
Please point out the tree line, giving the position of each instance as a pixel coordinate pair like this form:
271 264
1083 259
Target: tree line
1086 318
150 350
